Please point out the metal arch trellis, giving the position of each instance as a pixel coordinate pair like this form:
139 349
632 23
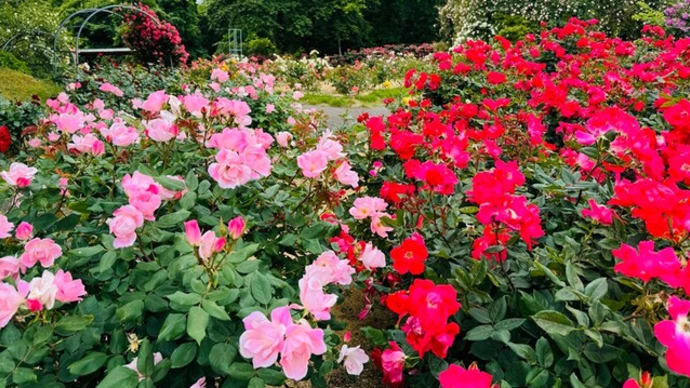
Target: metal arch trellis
21 35
235 42
110 9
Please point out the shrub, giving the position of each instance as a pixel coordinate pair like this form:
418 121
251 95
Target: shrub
153 40
9 61
262 47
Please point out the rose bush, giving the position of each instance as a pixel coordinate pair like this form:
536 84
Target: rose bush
520 220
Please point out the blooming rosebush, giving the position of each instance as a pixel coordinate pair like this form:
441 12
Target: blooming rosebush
520 220
154 40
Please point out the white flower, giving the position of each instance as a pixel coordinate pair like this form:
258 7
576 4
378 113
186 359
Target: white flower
355 358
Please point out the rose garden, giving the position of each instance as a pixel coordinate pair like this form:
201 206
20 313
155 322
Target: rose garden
506 207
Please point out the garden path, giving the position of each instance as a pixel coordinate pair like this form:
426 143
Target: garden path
337 116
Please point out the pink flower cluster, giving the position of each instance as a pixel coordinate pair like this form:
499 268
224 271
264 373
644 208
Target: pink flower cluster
325 270
242 156
314 162
145 197
110 88
263 341
374 208
208 243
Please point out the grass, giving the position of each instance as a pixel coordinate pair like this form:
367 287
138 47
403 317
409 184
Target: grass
17 86
373 98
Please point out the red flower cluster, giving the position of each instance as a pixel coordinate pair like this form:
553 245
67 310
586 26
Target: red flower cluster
410 255
5 139
153 39
429 307
500 210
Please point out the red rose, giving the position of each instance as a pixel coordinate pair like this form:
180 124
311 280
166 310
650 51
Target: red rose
5 139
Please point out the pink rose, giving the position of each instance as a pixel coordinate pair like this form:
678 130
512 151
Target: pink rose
24 231
121 135
194 103
9 266
42 292
171 194
332 148
219 75
378 227
201 383
143 193
257 159
124 224
284 138
229 170
312 163
44 251
393 362
345 175
210 244
10 300
68 290
5 227
262 339
236 227
328 268
354 358
313 298
86 144
301 341
110 88
372 257
673 334
161 130
157 357
192 232
367 207
19 174
155 101
270 108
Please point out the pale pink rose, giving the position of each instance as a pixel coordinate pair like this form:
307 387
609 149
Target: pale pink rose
332 148
62 183
236 227
367 207
257 159
86 144
313 163
44 251
372 257
121 135
229 170
171 194
97 104
157 357
110 88
5 227
378 227
291 121
106 114
192 232
237 108
35 142
219 75
9 266
328 268
210 244
231 139
194 103
68 290
270 108
19 175
69 122
263 139
201 383
42 292
262 339
155 101
53 137
10 300
345 175
283 138
215 86
124 224
297 95
143 193
73 85
354 358
300 343
313 298
24 231
161 130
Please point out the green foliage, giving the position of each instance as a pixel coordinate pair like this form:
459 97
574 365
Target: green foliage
647 15
9 61
261 46
18 86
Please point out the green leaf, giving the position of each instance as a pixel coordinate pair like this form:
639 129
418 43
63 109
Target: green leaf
553 322
169 183
497 310
221 357
183 355
173 219
261 288
23 376
145 358
73 323
239 255
182 301
544 353
173 327
107 261
271 376
241 371
509 324
480 314
256 382
214 310
130 311
523 351
87 365
120 377
479 333
197 320
87 251
597 289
